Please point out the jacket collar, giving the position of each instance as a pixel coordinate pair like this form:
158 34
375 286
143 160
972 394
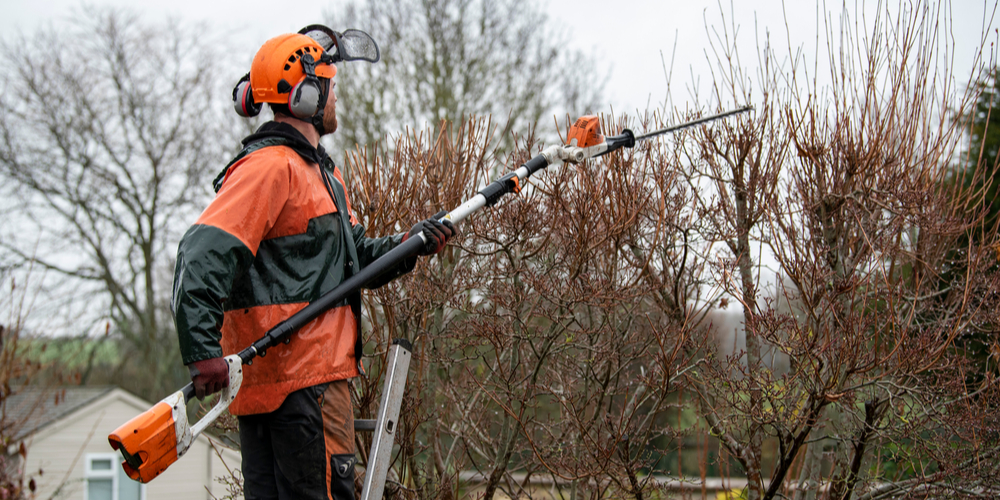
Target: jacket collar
273 134
295 140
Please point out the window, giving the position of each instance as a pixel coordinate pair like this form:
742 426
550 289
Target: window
107 481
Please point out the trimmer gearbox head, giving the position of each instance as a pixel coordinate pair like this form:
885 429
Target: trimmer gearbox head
153 440
585 132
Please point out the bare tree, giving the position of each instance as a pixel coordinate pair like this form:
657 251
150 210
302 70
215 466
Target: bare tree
541 349
451 59
553 345
16 373
847 185
111 129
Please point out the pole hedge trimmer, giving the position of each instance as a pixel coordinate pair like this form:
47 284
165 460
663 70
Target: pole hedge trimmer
152 441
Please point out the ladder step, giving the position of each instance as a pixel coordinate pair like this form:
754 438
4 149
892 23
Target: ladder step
364 425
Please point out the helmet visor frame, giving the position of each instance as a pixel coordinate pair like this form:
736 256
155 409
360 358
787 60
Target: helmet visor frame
351 45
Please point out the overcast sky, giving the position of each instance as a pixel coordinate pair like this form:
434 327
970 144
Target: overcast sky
626 37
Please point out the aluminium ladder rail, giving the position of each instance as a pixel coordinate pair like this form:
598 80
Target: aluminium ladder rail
385 425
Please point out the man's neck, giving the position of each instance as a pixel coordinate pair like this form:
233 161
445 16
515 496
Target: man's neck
305 128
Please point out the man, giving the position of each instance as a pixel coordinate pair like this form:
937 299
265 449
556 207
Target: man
279 234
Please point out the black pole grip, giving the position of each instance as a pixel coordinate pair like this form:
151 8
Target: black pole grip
496 189
535 164
510 183
392 258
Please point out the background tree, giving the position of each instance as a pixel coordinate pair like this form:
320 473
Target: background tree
976 183
110 132
980 159
451 59
845 184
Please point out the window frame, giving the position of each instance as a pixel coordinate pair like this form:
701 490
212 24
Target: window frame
113 473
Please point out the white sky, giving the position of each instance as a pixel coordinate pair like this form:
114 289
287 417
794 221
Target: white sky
628 37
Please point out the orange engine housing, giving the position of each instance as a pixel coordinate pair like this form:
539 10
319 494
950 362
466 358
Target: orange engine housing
148 442
586 131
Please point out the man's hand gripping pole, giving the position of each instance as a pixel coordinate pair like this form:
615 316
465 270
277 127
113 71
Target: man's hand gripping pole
153 440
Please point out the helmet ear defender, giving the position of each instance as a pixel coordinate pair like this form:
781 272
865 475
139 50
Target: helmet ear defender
243 101
306 96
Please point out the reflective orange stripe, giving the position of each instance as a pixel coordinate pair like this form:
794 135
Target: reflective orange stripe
338 424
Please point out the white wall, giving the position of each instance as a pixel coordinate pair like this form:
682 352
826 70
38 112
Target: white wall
61 448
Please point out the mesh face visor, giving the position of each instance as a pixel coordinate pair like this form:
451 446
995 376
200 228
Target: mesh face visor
351 45
359 46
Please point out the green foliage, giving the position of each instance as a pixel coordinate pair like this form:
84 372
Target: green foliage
902 460
977 178
73 353
979 172
734 494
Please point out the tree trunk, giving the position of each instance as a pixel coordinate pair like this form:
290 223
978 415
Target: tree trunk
744 224
812 465
503 457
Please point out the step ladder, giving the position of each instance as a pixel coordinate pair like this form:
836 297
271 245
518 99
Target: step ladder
384 427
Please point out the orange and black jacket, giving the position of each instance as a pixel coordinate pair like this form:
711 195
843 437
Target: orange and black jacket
279 234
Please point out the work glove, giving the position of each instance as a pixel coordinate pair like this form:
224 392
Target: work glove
437 234
209 376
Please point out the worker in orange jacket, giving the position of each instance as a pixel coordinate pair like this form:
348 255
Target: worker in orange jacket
279 234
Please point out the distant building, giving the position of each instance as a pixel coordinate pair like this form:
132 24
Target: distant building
65 432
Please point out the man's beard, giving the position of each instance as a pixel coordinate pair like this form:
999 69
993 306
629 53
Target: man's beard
330 122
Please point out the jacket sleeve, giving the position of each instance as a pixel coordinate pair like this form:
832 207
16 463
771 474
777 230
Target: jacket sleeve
370 249
220 246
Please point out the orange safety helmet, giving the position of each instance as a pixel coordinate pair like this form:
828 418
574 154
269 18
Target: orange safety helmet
286 70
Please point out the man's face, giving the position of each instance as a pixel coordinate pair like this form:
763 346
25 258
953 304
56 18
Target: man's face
330 112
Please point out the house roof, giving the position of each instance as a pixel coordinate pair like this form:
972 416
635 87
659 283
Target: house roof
30 409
